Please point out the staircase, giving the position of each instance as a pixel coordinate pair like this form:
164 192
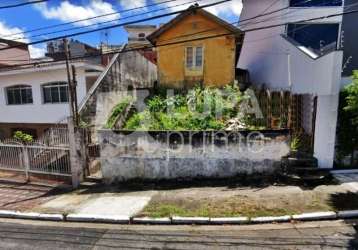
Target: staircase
129 70
302 168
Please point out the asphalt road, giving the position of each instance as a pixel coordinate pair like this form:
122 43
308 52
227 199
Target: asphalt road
42 235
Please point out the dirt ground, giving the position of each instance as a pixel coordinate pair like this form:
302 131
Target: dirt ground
247 201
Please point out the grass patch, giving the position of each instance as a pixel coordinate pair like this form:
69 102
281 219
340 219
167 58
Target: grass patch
229 207
196 202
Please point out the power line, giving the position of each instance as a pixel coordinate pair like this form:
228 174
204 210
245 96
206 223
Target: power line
116 25
22 4
288 13
274 11
184 41
123 51
238 22
109 21
87 19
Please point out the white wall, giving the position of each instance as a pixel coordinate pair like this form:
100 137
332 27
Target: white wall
325 134
38 112
279 64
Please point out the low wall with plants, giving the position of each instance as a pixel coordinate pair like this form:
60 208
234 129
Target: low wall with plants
157 155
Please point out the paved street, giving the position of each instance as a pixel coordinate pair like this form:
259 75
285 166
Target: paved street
45 235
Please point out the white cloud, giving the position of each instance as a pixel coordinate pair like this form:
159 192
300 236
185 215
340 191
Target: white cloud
37 51
68 12
6 32
232 7
131 4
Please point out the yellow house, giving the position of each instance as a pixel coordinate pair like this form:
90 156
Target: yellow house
196 47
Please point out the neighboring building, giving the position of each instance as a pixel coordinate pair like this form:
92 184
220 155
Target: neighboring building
191 60
305 58
34 98
137 34
17 55
127 70
56 50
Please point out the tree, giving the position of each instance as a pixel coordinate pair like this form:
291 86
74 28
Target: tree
352 98
347 136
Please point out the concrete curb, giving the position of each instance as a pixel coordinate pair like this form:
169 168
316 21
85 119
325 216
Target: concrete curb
97 218
30 216
270 219
227 220
177 220
152 221
190 220
315 216
347 214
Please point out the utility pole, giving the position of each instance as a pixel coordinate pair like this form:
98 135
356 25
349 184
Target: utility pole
74 86
75 140
71 95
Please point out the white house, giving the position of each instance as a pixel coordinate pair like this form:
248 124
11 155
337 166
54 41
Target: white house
303 57
34 98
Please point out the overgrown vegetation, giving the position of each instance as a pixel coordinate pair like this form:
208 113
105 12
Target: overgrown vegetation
23 137
348 123
199 109
117 111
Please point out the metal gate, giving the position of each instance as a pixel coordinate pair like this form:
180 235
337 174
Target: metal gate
35 158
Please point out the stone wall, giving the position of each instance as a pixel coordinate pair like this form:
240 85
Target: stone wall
171 155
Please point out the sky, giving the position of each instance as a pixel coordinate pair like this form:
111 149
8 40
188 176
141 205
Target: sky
54 12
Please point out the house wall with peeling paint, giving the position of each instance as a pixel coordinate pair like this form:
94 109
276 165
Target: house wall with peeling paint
219 54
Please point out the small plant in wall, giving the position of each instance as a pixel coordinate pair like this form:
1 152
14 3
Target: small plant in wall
23 137
117 112
295 143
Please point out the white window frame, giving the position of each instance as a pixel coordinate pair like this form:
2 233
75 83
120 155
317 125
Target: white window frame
194 49
54 85
20 88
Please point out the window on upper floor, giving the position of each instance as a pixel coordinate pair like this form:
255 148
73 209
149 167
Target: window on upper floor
315 3
55 92
141 37
319 38
194 57
19 94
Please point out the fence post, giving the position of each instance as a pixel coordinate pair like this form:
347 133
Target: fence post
76 155
26 162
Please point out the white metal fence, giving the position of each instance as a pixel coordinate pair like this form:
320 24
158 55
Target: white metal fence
35 158
56 136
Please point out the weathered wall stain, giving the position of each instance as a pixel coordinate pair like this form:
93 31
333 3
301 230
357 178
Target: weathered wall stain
162 155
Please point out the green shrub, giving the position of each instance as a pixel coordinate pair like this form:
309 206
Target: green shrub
117 111
156 104
23 137
196 110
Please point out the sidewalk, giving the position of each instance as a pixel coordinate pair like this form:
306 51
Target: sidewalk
96 199
209 198
23 197
202 199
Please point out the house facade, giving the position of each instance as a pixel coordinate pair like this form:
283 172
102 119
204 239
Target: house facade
315 57
137 34
186 58
34 98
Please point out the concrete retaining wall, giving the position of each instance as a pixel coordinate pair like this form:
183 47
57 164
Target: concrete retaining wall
171 155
